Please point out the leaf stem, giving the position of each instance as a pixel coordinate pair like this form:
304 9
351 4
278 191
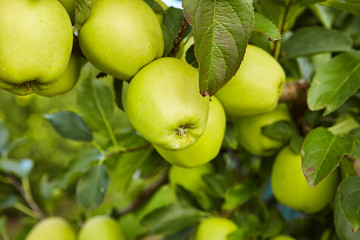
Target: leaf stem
277 44
127 150
28 197
22 208
98 147
147 192
175 47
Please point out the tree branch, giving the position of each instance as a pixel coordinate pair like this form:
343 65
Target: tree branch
175 47
146 193
293 90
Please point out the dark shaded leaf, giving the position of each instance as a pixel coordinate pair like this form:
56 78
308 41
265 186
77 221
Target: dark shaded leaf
4 135
238 194
118 88
347 6
280 130
313 40
82 12
154 6
92 186
70 125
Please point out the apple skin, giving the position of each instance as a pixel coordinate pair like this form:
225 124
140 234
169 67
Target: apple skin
249 131
101 227
54 228
66 82
215 228
256 87
121 36
69 5
35 44
190 178
283 237
291 188
164 105
160 16
207 147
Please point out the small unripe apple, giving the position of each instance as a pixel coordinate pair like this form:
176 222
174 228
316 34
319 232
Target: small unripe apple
215 228
121 36
256 87
207 147
53 228
35 44
164 104
250 135
190 178
291 188
101 227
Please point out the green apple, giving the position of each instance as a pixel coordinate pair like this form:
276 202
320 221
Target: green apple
53 228
207 147
291 188
190 178
35 44
121 36
101 227
66 82
69 5
283 237
164 104
256 87
249 132
215 228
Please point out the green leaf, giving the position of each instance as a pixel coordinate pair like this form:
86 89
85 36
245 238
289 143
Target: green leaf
344 126
342 225
118 89
79 164
349 200
9 147
313 40
190 57
273 224
216 184
265 26
222 30
325 14
4 135
230 138
82 12
171 219
154 6
241 233
20 168
3 227
173 18
184 234
96 104
7 202
335 82
70 125
92 186
280 130
357 167
238 194
321 154
348 6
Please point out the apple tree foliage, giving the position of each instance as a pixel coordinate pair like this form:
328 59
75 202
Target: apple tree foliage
102 166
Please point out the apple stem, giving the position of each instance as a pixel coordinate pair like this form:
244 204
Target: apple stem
175 47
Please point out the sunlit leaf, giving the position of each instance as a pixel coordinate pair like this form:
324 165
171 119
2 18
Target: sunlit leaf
335 82
266 27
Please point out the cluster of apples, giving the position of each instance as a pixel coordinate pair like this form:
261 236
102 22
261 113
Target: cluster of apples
56 228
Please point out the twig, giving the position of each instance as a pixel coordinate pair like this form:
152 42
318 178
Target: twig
175 47
26 195
293 90
347 156
128 150
276 48
147 192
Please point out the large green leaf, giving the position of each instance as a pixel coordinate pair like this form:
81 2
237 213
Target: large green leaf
92 186
222 30
70 125
171 219
349 200
348 6
96 103
342 225
335 82
313 40
321 154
